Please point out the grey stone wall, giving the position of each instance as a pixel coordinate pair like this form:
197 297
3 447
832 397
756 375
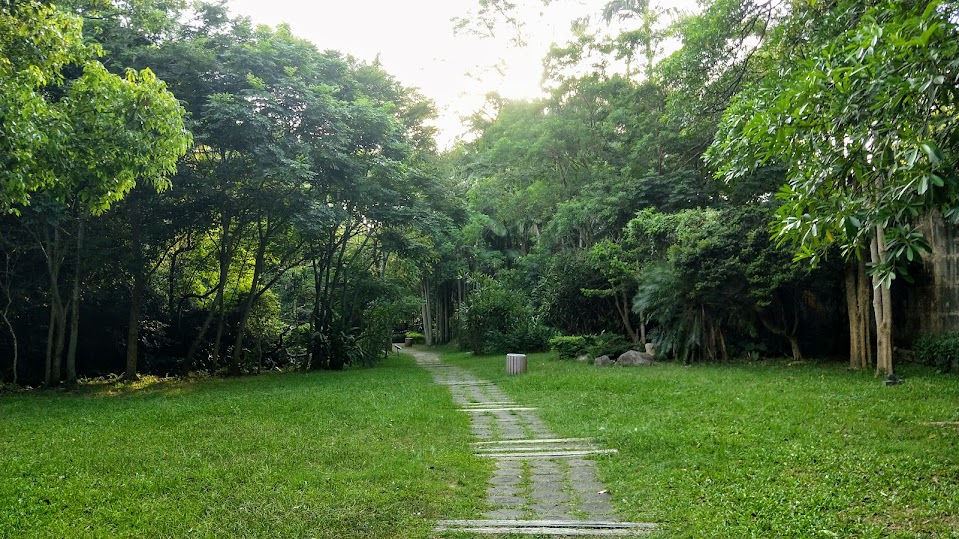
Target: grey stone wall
931 305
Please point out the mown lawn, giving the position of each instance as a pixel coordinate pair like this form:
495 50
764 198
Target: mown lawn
759 450
364 453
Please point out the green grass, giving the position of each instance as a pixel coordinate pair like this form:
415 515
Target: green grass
365 453
758 450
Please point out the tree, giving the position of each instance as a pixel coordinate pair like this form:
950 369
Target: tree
299 156
620 271
78 134
37 41
649 35
867 130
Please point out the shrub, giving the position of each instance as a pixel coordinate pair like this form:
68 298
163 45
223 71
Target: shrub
939 351
609 344
573 346
531 336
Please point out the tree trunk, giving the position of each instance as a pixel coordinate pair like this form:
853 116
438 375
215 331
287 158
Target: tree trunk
856 354
622 305
642 326
857 304
225 257
51 332
314 354
136 293
784 330
75 310
218 338
865 314
882 306
247 309
442 315
51 251
172 309
190 362
794 347
427 311
133 326
13 335
60 343
7 286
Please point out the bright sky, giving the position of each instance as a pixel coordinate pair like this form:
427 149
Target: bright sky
415 42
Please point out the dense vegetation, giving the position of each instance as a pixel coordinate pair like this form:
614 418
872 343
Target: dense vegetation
183 191
288 233
665 197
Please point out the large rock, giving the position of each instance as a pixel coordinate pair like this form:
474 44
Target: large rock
651 349
583 358
603 361
632 358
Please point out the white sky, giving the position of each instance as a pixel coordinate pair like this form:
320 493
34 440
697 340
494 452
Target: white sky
415 43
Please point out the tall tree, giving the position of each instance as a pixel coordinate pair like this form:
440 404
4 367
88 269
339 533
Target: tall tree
867 129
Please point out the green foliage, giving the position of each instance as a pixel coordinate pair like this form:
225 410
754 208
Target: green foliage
562 303
90 137
608 344
571 347
495 318
384 313
691 293
593 346
714 276
416 336
865 127
37 41
529 335
939 351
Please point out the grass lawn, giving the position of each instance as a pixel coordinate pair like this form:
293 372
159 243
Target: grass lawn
758 450
364 453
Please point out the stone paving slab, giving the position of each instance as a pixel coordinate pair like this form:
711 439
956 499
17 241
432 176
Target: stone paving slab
478 410
547 527
535 441
524 455
488 404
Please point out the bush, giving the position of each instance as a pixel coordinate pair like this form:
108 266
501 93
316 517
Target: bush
573 346
939 351
532 336
497 319
604 344
609 344
418 338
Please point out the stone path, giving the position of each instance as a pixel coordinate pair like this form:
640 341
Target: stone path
542 484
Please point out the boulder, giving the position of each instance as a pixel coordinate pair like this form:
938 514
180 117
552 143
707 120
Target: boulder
651 349
603 361
632 358
583 358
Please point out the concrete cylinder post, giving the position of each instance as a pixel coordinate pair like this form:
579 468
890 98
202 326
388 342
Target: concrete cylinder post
515 363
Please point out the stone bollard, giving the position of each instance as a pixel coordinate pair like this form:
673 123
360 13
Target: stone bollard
515 363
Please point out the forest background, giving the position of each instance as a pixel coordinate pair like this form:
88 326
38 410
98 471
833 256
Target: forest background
186 192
